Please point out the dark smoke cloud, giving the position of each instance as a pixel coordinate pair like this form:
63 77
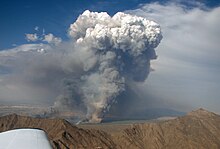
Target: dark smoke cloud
103 57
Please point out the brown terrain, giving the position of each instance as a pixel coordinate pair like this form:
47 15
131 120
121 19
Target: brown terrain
199 129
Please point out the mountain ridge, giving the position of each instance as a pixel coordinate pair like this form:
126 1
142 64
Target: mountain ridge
197 129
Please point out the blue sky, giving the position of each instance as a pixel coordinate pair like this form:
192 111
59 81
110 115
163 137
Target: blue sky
186 72
20 17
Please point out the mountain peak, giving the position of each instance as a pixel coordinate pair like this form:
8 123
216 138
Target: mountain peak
201 113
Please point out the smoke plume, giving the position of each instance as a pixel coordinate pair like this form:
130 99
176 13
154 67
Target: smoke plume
118 49
103 56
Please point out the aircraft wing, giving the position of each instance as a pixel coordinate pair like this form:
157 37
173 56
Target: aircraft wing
24 139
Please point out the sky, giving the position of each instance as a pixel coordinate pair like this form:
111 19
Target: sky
185 76
20 17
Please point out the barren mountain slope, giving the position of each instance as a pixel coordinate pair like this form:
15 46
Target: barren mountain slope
199 129
60 133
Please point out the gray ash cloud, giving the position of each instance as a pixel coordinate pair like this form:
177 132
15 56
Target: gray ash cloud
87 73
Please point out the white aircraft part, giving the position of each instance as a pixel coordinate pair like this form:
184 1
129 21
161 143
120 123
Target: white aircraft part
24 139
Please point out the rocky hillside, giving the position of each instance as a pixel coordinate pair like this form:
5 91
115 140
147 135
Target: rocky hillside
198 129
60 132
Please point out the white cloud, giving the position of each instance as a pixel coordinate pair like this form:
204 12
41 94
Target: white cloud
31 37
187 70
23 49
36 28
50 38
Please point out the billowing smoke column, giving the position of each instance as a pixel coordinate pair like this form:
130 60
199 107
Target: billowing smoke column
113 51
86 74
